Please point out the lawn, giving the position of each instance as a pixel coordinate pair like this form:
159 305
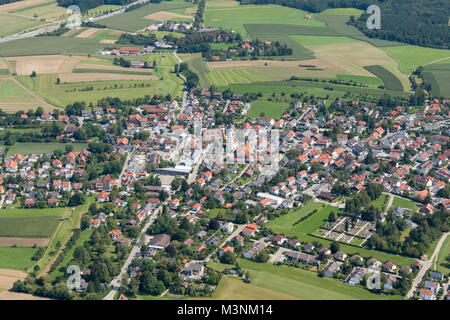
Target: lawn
305 284
410 57
10 91
381 202
18 258
443 265
316 220
272 110
42 147
286 221
404 203
235 17
232 288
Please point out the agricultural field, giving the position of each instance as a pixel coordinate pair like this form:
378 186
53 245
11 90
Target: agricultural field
17 258
305 284
231 288
390 81
235 17
39 148
439 81
10 91
136 20
30 227
11 24
272 110
411 57
43 10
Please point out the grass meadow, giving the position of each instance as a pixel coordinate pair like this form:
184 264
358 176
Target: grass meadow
18 258
39 148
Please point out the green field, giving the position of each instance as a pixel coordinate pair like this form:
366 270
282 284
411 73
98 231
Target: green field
11 24
439 81
27 213
29 227
10 91
133 21
272 110
46 10
305 284
200 67
39 148
131 71
285 225
231 288
410 57
318 40
18 258
49 46
404 203
225 77
343 11
381 202
235 17
443 265
391 82
103 8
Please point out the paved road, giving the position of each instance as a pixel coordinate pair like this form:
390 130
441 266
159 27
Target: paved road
238 230
124 168
116 282
278 255
426 265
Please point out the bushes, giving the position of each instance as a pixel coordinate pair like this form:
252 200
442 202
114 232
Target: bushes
305 217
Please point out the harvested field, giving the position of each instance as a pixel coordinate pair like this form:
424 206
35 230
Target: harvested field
15 5
270 63
165 15
103 67
45 64
84 77
23 242
89 33
108 41
70 33
116 33
7 295
8 277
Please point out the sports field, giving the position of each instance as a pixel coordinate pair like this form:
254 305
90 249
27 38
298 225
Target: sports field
305 284
39 148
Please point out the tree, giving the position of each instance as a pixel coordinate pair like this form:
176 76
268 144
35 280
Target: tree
334 247
262 256
332 217
33 74
228 258
150 285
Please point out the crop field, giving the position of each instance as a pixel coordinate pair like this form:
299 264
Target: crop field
390 81
354 58
317 40
17 258
30 227
231 288
410 57
440 82
200 67
343 12
39 148
305 284
10 24
231 76
135 20
235 17
44 10
10 91
272 110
